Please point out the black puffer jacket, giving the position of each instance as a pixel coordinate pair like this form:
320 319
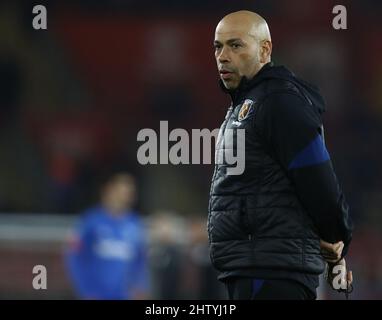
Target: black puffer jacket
272 216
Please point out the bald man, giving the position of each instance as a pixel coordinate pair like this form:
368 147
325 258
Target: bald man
272 228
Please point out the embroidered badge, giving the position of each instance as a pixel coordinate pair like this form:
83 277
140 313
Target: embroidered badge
246 109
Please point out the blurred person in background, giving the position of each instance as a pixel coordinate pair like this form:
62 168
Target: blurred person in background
201 282
166 256
272 228
106 255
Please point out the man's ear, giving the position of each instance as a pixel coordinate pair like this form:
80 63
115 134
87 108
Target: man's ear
265 51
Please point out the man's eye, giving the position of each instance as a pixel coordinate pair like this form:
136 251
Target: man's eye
217 46
236 45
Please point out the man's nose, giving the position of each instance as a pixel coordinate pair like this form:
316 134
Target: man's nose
223 56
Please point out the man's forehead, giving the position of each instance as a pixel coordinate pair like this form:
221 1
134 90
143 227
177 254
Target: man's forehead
232 34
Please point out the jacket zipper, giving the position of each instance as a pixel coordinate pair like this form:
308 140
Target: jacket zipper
246 219
224 125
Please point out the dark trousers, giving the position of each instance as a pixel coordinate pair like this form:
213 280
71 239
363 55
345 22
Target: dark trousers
256 289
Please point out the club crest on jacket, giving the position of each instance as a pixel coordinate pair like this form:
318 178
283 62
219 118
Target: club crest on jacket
245 110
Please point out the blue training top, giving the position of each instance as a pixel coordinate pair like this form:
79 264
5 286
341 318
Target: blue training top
106 257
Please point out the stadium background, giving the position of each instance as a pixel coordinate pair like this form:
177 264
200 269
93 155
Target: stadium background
73 98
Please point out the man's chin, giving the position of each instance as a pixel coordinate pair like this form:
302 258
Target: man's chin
229 85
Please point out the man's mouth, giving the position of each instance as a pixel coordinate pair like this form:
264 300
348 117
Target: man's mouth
225 74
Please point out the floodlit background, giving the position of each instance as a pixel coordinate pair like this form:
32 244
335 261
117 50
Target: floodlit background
73 98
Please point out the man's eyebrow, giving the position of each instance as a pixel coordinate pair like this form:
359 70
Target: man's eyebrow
234 40
229 41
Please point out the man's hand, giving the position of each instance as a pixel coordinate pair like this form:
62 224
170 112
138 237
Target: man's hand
331 252
338 277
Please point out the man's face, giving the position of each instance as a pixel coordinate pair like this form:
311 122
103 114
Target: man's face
236 53
120 195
